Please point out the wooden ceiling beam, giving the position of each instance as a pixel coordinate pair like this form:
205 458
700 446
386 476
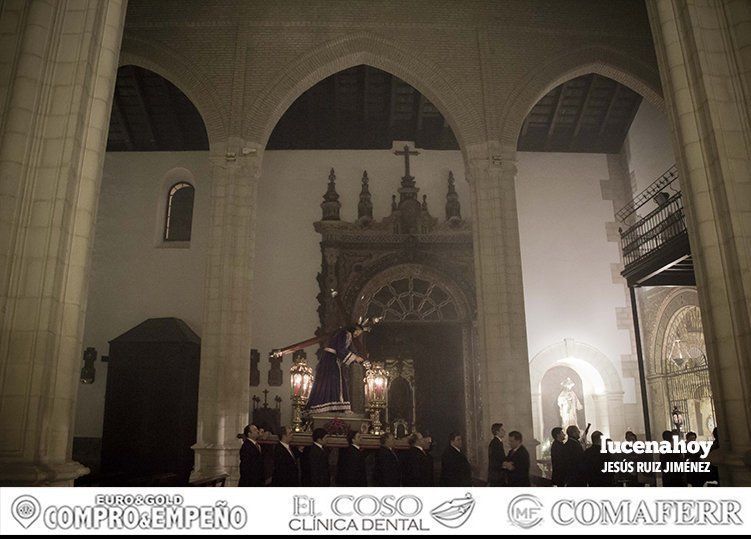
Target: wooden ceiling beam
583 109
173 114
419 112
554 115
613 98
118 117
141 102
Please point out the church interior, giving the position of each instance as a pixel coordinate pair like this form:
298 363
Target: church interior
539 212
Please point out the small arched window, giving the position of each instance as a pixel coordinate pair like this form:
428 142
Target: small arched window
179 220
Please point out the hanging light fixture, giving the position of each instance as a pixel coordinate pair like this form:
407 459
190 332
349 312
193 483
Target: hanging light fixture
676 354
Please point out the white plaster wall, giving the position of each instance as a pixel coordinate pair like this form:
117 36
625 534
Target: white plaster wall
566 259
649 149
133 279
569 291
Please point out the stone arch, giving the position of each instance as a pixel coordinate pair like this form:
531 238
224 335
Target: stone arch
642 78
675 301
369 49
658 376
602 384
167 63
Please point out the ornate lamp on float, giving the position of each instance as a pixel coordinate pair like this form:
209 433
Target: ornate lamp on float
376 393
677 417
301 382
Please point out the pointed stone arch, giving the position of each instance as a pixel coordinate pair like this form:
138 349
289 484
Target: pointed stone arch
169 64
369 49
642 78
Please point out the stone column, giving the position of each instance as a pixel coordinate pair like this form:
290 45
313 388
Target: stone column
223 396
504 377
616 414
58 64
704 56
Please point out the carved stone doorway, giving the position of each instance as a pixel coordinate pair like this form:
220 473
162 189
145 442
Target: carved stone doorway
433 358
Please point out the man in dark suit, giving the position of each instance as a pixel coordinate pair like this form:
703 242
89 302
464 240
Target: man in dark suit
574 458
251 458
388 471
695 479
286 470
558 458
455 468
517 461
350 469
496 455
594 462
315 462
671 478
417 469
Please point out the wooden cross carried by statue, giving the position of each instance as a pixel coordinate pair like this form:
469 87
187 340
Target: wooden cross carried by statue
366 324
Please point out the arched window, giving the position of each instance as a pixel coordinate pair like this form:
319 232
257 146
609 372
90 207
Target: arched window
179 219
413 298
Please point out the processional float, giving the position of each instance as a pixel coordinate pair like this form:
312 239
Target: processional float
301 374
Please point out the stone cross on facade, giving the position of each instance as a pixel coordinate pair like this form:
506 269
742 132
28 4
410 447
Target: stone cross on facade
406 153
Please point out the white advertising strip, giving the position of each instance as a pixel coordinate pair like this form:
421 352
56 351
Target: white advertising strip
373 511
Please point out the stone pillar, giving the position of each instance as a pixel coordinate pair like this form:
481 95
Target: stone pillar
223 396
58 64
504 376
704 57
616 414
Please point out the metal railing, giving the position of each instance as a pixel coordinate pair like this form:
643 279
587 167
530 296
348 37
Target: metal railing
659 227
667 178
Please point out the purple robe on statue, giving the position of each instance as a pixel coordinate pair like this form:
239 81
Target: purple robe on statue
330 392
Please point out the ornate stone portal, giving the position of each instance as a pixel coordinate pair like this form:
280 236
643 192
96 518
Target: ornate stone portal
417 272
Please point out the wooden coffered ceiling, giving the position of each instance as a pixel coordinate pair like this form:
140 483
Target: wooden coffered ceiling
589 114
361 108
149 113
366 108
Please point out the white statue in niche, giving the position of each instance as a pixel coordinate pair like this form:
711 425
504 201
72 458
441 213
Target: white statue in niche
568 403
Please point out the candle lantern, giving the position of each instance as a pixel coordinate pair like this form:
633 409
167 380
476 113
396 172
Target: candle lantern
301 383
376 393
677 416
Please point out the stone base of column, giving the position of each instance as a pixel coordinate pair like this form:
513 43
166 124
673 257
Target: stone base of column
734 471
214 460
36 474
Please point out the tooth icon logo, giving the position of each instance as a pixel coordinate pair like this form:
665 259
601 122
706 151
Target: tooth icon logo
454 513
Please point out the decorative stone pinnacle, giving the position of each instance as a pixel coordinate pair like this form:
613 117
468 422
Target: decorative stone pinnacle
453 208
331 204
365 206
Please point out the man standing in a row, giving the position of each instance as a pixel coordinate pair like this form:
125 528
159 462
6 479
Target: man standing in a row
418 464
388 471
455 468
315 462
251 458
351 470
286 471
574 458
496 456
558 458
